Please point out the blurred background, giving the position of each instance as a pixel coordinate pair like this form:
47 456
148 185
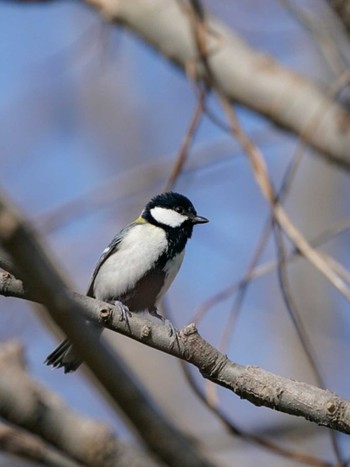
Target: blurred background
91 121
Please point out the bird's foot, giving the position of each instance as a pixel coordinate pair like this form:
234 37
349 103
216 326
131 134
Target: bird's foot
172 331
125 313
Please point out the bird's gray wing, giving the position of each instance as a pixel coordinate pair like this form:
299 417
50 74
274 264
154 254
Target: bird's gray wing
107 252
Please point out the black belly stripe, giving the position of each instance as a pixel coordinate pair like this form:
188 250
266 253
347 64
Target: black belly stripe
143 296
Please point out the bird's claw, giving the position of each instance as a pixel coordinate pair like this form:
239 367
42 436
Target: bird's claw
125 313
171 328
172 332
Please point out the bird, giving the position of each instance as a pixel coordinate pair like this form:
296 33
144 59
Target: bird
139 264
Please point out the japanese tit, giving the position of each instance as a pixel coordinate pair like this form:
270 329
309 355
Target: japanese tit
140 263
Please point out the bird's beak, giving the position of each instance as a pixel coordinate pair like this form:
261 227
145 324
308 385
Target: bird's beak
199 220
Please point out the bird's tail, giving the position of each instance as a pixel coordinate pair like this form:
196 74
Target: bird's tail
64 356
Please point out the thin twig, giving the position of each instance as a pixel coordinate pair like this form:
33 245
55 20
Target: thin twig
133 181
299 326
187 141
320 34
268 267
334 230
260 172
200 32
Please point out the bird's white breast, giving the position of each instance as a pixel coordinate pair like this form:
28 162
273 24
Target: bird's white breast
137 253
171 269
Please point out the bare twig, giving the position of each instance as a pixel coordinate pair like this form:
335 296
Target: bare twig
259 271
143 177
187 140
334 89
334 230
319 32
259 169
298 324
241 74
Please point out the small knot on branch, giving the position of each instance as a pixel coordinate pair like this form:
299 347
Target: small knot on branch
106 315
335 409
146 331
189 330
5 278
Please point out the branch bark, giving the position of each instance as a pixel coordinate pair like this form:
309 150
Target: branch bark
38 410
342 9
23 444
240 73
260 387
29 447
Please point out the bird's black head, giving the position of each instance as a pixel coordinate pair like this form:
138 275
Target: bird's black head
174 213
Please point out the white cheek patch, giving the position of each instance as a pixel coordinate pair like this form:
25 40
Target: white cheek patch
168 216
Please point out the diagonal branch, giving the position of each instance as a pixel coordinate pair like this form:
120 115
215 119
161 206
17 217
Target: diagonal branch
342 9
187 141
329 268
24 445
260 387
37 410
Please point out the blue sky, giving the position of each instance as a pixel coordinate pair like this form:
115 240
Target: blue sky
83 103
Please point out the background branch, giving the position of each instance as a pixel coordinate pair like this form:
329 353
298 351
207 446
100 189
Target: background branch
242 74
36 409
342 9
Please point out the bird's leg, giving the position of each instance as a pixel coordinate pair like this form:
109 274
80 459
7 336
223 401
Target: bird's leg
172 331
125 313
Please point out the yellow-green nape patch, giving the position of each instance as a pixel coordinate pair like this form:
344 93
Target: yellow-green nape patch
140 220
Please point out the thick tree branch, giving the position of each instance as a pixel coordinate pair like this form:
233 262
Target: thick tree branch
38 410
240 73
29 447
342 9
29 257
260 387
